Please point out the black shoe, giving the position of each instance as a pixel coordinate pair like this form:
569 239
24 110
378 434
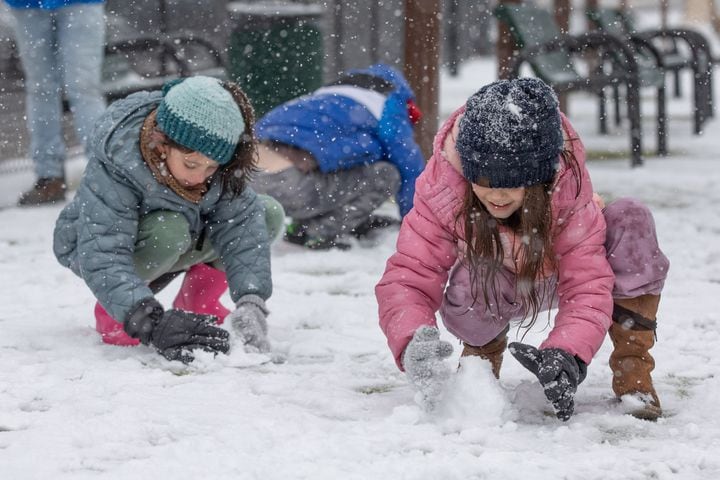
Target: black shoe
319 243
373 222
46 191
296 234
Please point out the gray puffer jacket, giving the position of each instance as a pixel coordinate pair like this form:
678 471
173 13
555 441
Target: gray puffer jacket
95 234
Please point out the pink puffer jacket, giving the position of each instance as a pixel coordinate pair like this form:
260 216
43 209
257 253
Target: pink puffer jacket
411 289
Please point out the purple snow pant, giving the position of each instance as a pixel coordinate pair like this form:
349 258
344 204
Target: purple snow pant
633 253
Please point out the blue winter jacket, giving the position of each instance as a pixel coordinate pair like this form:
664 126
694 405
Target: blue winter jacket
95 234
47 4
345 126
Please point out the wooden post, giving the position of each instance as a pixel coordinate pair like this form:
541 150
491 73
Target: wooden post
590 5
422 59
562 15
590 25
505 48
562 18
593 63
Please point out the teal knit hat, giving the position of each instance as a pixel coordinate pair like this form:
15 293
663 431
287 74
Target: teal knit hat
199 114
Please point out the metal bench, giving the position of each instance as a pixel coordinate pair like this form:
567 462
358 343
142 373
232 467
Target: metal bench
553 56
678 49
135 62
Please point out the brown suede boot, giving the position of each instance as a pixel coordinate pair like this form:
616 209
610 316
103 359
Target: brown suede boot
492 351
45 191
633 335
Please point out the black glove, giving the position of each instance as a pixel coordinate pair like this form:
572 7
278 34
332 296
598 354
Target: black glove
559 373
175 333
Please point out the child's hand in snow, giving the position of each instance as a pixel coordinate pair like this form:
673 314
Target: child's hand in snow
249 322
559 373
175 333
424 365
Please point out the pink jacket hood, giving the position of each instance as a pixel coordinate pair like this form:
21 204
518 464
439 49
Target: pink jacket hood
412 287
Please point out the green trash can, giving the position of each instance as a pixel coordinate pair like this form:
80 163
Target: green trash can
276 51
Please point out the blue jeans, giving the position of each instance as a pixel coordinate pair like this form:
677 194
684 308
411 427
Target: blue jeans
60 49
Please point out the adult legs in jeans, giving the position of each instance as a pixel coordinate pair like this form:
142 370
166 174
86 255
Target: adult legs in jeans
81 51
329 205
59 47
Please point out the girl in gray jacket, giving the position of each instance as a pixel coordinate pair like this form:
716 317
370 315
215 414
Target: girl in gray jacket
164 193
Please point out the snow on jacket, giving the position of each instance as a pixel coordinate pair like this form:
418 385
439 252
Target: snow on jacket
345 126
411 289
95 234
47 4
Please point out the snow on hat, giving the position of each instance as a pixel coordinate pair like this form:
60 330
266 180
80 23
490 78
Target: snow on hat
511 134
199 114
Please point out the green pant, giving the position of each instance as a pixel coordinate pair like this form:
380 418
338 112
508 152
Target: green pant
164 245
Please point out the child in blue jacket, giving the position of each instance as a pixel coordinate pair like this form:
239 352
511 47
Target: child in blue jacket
333 156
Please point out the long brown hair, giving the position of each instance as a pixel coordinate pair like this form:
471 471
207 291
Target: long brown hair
532 224
234 175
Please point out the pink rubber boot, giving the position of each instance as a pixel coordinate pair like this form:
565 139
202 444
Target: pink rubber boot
111 331
201 290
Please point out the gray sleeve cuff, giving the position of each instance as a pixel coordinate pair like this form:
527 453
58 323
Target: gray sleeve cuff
253 300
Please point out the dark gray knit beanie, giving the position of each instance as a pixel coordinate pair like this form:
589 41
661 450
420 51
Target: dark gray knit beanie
511 134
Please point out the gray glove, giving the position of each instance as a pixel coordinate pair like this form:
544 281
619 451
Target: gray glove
250 324
424 365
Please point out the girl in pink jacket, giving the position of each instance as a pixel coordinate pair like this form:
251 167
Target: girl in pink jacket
505 225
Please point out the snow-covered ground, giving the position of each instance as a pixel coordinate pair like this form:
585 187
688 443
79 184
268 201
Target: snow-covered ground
337 407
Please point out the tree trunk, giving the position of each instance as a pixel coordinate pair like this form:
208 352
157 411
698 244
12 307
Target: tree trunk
505 48
422 55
